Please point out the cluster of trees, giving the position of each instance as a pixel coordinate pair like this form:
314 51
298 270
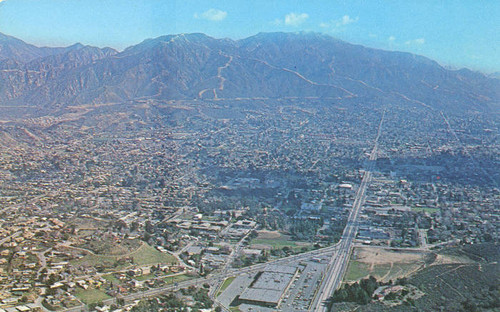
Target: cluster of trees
305 229
244 261
200 296
171 302
335 230
360 292
270 219
484 300
168 302
208 203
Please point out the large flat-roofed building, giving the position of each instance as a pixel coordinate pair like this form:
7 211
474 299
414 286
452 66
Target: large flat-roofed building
285 269
269 286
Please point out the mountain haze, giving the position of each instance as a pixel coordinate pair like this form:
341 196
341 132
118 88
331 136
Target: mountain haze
20 51
267 65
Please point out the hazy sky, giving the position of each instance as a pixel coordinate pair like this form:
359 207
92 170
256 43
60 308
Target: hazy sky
462 33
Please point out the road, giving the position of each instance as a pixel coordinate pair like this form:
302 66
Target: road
218 283
8 238
338 264
422 234
43 261
336 268
216 278
234 253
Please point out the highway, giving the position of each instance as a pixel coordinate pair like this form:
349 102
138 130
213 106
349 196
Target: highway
215 277
338 264
336 268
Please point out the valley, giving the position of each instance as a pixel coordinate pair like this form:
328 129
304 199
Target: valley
212 167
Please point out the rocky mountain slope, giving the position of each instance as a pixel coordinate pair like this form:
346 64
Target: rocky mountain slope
267 65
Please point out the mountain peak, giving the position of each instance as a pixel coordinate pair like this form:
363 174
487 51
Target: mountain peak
9 39
183 39
75 46
267 65
309 35
4 37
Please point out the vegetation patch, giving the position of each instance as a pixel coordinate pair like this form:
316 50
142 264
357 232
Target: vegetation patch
111 278
458 287
190 299
273 241
265 234
469 253
439 286
356 292
225 285
149 255
170 279
425 209
106 246
90 296
399 270
144 255
357 270
384 264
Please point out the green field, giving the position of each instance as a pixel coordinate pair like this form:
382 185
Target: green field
402 269
225 285
425 209
176 278
111 278
156 275
382 270
279 242
143 255
358 270
149 255
95 260
91 295
145 277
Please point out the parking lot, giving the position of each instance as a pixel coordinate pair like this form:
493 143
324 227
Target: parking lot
300 294
297 298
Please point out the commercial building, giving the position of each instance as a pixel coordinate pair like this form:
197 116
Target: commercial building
269 286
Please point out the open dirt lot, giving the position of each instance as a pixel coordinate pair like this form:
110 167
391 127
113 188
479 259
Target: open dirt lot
264 234
384 256
384 264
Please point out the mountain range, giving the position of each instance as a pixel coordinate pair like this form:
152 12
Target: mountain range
264 66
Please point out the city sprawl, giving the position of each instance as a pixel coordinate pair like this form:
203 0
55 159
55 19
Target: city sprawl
242 202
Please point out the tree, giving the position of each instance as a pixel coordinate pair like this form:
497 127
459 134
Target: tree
134 226
149 227
146 237
391 296
402 281
369 284
470 306
357 292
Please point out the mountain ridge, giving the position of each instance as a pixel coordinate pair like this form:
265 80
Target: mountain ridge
266 65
